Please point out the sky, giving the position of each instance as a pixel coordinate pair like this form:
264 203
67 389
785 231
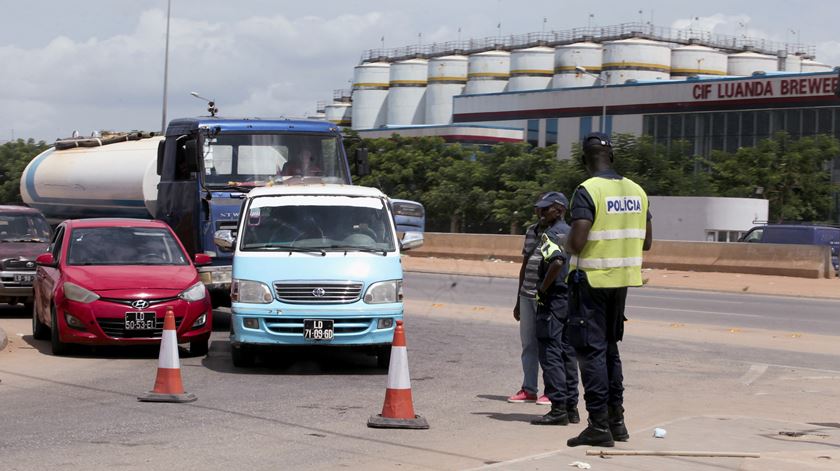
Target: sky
93 65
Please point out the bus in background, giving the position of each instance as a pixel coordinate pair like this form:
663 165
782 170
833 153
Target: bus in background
409 216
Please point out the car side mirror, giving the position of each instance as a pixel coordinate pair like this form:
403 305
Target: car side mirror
202 259
45 260
224 238
411 240
362 163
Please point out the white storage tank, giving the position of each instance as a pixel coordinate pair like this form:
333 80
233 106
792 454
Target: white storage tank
339 113
406 97
789 62
487 72
748 62
588 55
697 60
115 180
370 91
811 65
636 59
447 78
531 69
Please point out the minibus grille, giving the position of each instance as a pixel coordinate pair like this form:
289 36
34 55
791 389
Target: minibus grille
332 292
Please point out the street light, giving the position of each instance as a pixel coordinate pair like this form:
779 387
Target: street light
582 70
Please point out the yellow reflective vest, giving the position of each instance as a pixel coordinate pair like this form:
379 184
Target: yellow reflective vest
612 256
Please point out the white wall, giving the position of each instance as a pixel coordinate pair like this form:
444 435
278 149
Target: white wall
692 218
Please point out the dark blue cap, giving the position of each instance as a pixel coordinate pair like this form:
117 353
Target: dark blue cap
552 197
594 139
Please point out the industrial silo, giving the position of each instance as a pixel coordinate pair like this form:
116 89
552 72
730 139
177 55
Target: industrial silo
406 98
811 65
636 59
747 63
531 69
697 60
339 113
487 72
370 91
567 58
447 77
789 62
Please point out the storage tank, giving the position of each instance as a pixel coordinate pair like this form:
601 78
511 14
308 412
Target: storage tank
748 62
115 180
811 65
531 69
339 113
487 72
370 91
588 55
636 59
406 98
789 62
697 60
447 78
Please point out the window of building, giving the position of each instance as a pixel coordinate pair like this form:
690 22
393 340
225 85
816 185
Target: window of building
762 125
793 122
550 132
825 119
809 122
533 132
733 131
747 128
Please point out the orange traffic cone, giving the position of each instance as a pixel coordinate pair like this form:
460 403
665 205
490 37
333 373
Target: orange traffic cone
168 386
398 410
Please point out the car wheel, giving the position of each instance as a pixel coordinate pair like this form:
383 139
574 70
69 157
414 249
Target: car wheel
199 347
40 331
242 356
383 357
58 347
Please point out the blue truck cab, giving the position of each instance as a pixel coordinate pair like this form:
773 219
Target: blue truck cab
315 265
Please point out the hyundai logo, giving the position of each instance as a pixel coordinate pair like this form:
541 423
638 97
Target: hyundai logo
140 304
319 292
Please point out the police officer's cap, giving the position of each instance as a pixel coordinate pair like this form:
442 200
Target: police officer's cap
552 197
596 139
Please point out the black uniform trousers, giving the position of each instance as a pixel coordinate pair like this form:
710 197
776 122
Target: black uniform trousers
557 357
594 328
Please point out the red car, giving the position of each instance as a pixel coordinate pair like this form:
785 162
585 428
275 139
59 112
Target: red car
111 281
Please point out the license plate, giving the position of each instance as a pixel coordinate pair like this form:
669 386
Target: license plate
140 320
317 329
24 279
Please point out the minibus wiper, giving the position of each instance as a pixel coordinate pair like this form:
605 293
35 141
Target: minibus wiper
350 248
287 248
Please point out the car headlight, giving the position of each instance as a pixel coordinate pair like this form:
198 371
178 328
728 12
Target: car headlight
247 291
74 292
196 292
384 292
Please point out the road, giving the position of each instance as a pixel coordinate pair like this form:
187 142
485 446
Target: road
686 354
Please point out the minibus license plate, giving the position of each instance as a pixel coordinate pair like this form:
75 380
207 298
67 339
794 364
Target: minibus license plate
317 329
140 320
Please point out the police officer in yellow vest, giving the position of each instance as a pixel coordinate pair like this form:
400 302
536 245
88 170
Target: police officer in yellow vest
610 229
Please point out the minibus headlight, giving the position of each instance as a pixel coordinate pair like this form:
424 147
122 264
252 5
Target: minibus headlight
252 292
384 292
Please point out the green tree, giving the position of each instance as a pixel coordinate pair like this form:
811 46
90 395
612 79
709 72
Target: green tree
14 157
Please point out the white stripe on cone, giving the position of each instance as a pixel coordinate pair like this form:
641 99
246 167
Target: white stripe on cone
169 350
398 377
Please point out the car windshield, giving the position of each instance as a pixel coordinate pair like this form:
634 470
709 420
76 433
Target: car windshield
24 228
256 159
124 246
328 223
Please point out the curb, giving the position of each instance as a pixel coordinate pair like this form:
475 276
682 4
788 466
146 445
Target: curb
4 340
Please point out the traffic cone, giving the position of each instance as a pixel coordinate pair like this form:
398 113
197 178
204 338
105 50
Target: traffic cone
168 386
398 410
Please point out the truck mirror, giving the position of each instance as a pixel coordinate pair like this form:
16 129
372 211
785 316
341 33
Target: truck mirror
411 240
362 164
161 146
191 156
224 239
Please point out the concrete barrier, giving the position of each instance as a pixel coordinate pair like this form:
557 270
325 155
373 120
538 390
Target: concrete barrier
805 261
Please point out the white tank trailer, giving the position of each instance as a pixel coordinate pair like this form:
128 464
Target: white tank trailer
531 69
690 60
339 113
567 58
747 63
447 78
370 91
636 59
115 180
487 72
407 95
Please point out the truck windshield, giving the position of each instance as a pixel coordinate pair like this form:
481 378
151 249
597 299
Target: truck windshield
256 159
24 228
328 223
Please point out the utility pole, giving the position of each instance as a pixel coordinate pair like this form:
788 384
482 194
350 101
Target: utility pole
166 67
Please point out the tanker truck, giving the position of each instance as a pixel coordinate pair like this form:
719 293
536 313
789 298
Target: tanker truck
194 177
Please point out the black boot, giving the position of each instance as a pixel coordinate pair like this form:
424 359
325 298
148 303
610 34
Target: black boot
597 433
555 416
617 427
574 415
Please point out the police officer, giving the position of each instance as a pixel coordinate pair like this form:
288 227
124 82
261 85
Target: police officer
610 229
557 359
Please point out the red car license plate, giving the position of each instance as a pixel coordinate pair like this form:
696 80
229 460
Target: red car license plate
136 320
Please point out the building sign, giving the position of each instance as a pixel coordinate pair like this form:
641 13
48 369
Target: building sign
794 86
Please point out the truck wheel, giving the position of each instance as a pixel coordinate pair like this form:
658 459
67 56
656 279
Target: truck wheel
40 331
199 347
242 356
383 357
59 348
